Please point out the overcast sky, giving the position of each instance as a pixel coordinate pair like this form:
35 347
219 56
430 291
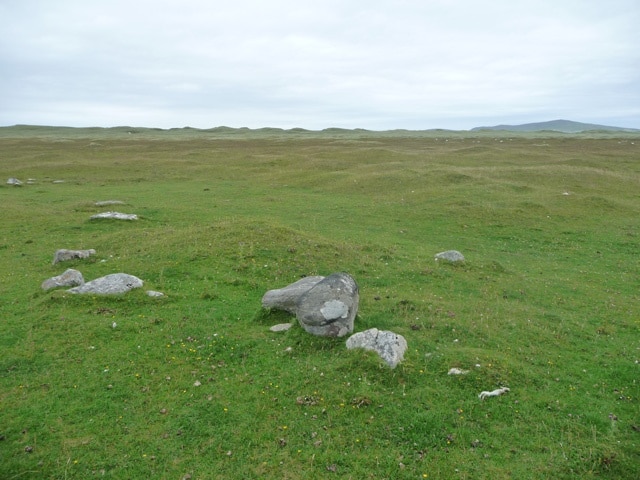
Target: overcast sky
375 64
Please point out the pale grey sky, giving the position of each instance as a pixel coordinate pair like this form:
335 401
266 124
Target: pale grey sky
372 64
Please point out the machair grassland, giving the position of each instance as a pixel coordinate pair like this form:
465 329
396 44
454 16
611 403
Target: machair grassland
194 385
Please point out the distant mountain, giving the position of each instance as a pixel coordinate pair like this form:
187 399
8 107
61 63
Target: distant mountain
564 126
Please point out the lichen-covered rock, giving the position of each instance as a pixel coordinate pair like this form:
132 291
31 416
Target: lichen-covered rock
112 284
389 345
329 307
69 278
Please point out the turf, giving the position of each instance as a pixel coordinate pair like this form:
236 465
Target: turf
194 385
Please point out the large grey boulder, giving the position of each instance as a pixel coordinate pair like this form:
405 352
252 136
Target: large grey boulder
63 254
286 298
450 256
329 308
389 345
113 284
114 216
69 278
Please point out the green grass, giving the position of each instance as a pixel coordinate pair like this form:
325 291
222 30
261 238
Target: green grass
195 384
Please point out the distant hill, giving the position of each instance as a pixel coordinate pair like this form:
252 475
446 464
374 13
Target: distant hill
565 126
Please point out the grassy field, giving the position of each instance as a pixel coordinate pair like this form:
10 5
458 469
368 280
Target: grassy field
195 386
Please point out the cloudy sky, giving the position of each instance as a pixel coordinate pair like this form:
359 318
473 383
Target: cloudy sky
375 64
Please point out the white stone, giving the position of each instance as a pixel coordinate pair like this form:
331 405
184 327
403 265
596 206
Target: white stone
115 216
105 203
494 393
14 181
457 371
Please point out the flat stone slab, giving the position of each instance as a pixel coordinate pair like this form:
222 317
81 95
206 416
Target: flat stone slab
113 284
14 181
114 216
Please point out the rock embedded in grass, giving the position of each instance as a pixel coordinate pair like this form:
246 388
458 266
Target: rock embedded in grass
388 345
450 256
114 216
62 255
281 327
105 203
14 181
69 278
113 284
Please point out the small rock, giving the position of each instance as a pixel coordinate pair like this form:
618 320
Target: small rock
114 216
105 203
450 256
457 371
389 345
63 254
14 181
70 278
281 327
153 293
